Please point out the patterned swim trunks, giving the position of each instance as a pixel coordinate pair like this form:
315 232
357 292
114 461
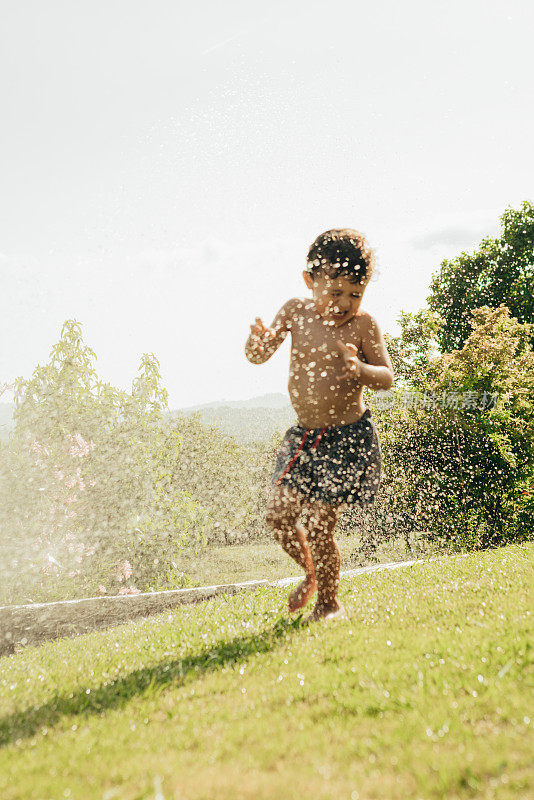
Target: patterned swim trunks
334 465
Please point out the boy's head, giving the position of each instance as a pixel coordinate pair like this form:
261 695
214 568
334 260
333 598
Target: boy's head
340 265
341 251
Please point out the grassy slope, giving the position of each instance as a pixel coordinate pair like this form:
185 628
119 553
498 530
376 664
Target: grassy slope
266 559
422 694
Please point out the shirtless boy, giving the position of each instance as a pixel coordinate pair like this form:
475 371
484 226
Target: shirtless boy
332 457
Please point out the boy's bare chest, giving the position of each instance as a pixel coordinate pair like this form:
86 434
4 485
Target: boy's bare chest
315 341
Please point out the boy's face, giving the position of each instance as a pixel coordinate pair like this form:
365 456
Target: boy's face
337 299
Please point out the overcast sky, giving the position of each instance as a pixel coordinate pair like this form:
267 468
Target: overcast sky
165 166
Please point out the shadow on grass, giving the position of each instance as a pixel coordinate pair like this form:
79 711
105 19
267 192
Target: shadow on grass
119 692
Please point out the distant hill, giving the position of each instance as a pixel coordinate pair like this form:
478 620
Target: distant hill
252 420
273 400
247 424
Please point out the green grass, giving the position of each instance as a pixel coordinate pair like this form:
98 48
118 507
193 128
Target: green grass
266 559
423 693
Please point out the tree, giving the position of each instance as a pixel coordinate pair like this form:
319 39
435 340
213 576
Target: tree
226 477
500 271
471 461
84 487
412 351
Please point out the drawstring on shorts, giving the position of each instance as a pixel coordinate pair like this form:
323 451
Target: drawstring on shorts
299 448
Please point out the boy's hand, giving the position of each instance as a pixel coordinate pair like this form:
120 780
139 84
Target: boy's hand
260 334
352 366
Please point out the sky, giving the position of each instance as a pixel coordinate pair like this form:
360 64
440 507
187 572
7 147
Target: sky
165 166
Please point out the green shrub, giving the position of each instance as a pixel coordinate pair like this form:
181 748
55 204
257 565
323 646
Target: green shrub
86 503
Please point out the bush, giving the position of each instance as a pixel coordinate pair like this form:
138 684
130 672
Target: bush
465 469
86 503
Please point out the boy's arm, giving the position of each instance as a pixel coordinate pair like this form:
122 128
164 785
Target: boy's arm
377 373
263 341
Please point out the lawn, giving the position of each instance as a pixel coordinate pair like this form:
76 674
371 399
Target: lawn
426 692
265 558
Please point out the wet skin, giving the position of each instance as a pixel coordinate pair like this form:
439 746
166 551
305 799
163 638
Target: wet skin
311 544
314 388
332 340
327 351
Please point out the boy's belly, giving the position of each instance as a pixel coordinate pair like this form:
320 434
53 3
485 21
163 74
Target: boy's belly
323 400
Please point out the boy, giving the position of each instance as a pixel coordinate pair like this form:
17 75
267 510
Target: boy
332 457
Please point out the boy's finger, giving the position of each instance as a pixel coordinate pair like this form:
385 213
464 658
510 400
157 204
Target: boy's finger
347 348
262 332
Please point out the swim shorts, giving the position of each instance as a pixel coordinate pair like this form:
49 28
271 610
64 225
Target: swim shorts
335 465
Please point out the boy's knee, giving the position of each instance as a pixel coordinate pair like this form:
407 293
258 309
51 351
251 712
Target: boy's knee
280 522
274 519
282 512
322 517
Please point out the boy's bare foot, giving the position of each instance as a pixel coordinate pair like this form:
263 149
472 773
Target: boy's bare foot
302 594
322 611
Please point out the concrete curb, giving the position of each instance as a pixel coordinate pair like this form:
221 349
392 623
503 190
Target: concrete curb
38 622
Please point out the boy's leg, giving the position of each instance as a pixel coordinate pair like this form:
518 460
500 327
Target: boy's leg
326 559
282 513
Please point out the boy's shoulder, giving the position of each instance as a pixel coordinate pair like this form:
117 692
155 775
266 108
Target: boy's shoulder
363 321
368 328
295 305
370 322
365 317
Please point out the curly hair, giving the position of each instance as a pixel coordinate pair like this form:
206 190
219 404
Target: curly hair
342 251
